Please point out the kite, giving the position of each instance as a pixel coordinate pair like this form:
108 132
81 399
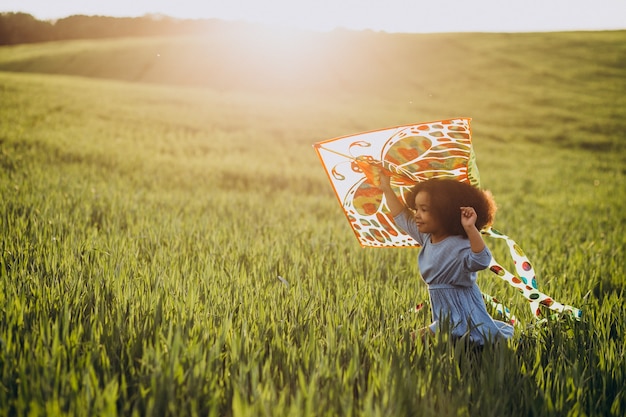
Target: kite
410 154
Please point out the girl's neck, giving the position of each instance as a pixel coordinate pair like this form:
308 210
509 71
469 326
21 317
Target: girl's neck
438 237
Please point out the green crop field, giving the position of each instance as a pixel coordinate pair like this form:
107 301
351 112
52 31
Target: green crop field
170 244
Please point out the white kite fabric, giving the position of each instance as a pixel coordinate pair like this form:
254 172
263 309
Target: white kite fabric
414 153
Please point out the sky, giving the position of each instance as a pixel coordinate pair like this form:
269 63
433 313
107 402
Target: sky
411 16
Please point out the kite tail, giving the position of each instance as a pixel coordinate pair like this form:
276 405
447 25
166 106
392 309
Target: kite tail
526 281
500 308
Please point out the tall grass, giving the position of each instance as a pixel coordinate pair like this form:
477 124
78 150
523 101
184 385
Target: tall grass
177 251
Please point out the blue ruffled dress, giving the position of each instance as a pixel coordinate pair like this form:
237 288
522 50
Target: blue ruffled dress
449 269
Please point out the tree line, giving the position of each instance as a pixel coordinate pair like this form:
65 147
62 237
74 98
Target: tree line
17 27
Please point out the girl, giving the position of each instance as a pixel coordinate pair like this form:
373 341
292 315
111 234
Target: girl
445 216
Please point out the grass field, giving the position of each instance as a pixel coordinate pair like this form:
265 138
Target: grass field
153 191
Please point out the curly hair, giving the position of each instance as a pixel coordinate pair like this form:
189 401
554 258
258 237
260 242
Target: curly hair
446 198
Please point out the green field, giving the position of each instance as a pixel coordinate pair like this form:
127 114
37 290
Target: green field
153 191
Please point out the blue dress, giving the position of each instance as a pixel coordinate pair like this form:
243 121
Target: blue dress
449 269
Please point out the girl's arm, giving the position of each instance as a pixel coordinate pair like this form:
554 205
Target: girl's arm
396 206
468 220
398 210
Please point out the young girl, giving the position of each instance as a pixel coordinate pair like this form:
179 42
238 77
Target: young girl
445 216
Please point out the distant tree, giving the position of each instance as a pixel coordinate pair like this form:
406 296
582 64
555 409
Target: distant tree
23 28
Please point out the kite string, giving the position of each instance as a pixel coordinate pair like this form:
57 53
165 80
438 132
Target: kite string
319 146
394 169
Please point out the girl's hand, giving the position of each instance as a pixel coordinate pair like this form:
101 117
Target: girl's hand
468 217
468 220
384 179
378 175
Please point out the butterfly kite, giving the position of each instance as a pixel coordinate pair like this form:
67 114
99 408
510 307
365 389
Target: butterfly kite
414 153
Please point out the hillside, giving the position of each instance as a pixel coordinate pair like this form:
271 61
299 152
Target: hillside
171 246
514 80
